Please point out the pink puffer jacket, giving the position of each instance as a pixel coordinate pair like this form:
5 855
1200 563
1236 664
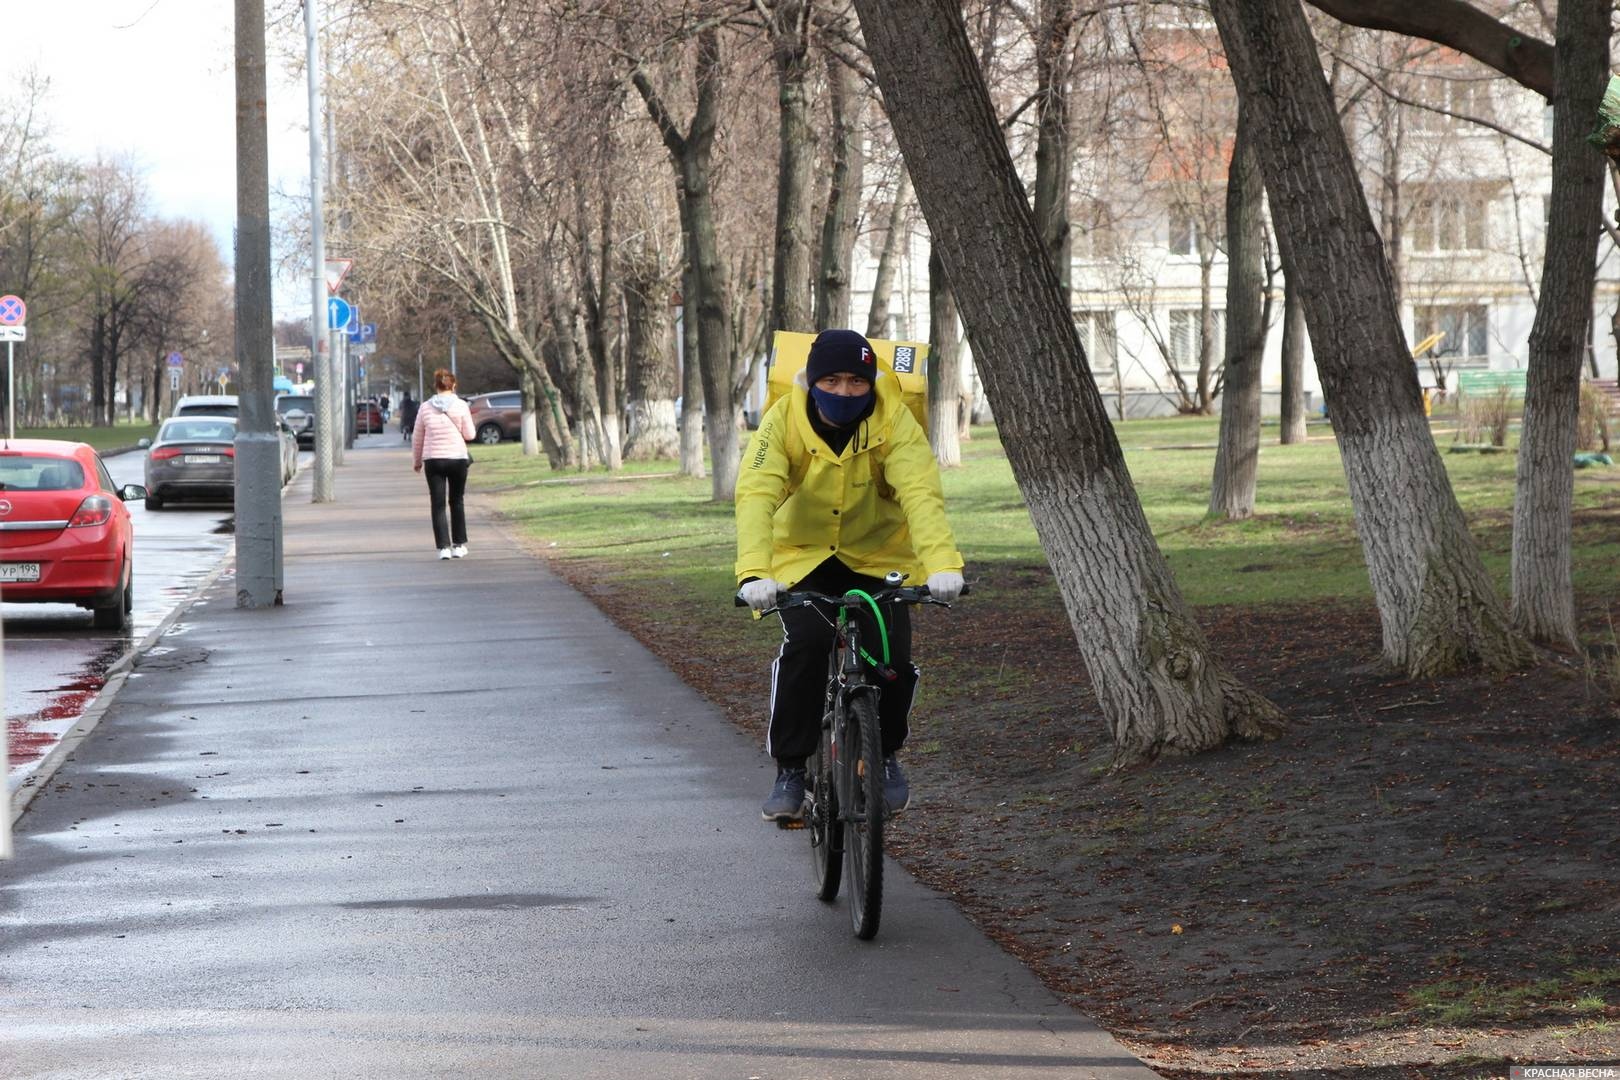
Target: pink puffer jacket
443 426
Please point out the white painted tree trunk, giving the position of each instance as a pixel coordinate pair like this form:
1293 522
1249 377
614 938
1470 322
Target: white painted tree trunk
1161 688
1543 589
1438 607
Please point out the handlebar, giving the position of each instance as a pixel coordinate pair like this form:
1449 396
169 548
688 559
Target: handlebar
906 594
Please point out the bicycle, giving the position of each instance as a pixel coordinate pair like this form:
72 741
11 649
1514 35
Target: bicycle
844 777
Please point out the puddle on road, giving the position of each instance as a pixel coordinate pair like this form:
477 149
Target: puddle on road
30 735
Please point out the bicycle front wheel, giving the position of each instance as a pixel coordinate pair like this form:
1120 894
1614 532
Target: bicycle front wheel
822 823
863 840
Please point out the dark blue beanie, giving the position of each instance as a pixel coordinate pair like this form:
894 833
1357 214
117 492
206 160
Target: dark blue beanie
834 351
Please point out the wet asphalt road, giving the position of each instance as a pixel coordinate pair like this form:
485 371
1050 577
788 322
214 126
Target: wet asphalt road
444 819
55 661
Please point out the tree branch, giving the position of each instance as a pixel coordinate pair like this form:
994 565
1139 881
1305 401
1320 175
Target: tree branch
1526 60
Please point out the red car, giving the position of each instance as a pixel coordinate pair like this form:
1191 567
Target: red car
65 534
368 417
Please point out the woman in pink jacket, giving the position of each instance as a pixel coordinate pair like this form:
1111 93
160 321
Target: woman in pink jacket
439 448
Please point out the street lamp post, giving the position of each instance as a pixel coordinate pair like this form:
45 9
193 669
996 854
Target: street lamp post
258 445
320 353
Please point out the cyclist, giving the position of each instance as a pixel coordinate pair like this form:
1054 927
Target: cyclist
838 487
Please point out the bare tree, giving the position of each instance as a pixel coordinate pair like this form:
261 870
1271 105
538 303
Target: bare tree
1237 461
1543 590
846 99
1439 609
112 217
707 297
1161 688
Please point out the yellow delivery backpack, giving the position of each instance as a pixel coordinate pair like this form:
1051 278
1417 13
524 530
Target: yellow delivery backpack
906 360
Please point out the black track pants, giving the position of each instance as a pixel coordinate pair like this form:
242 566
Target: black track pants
447 482
799 676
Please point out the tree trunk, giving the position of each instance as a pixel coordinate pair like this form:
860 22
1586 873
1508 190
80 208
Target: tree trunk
877 321
791 307
1237 460
944 368
98 368
598 285
1052 179
650 374
1293 364
518 351
154 409
114 348
1439 609
848 101
528 418
1203 393
691 384
1543 594
1160 686
712 308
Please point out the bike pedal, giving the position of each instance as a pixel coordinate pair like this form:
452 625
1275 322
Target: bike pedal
790 823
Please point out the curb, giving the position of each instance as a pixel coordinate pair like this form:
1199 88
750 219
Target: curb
117 675
114 451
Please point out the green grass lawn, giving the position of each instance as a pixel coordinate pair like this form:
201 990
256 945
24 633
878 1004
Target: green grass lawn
1299 546
102 438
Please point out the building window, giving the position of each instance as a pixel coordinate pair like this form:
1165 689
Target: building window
1184 332
1466 327
1470 97
1100 339
1183 232
1448 221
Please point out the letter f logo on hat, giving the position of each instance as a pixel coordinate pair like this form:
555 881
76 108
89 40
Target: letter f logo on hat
866 356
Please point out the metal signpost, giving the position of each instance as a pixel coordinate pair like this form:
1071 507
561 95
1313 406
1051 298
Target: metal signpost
13 328
339 313
176 362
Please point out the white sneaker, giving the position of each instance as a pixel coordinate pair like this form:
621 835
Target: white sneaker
459 551
444 553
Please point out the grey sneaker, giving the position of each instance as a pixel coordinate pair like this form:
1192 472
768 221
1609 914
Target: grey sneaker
896 788
787 796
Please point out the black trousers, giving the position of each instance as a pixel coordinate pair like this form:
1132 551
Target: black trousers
799 676
447 482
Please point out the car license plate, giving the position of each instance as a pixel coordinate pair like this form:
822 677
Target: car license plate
202 459
19 571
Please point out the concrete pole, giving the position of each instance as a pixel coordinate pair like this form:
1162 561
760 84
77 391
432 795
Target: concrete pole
321 354
258 444
334 356
452 346
5 759
351 391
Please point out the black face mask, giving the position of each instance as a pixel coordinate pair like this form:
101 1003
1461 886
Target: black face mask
839 409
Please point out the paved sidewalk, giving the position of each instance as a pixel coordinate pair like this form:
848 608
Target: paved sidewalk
443 819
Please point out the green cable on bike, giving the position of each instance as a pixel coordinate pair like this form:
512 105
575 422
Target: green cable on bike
883 629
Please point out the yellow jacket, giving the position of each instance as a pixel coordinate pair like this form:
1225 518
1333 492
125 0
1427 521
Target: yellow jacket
877 506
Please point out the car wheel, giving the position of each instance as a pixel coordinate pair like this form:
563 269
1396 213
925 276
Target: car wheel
154 502
115 615
489 434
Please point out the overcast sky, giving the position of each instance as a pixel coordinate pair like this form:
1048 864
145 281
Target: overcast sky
153 79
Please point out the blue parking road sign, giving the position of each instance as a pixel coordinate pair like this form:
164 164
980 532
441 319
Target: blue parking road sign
338 313
366 332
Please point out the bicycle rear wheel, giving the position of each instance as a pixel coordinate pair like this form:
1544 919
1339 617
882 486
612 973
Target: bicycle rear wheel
863 840
822 823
